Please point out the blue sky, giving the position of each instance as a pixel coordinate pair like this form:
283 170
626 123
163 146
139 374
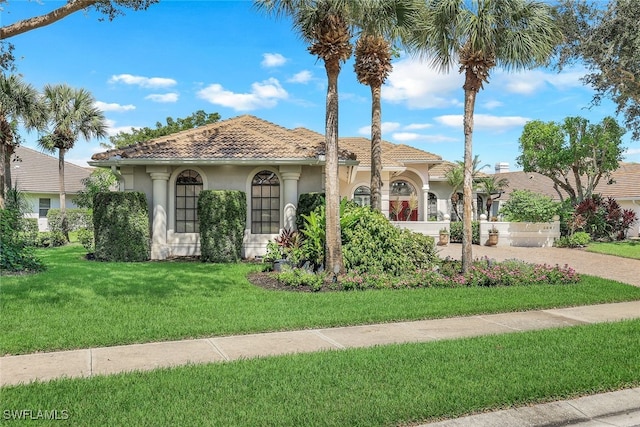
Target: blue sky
223 56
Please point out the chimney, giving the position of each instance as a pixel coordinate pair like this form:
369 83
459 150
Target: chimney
502 167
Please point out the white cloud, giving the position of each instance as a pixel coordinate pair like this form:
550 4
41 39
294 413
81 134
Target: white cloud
386 127
418 126
106 107
145 82
270 60
632 151
484 121
531 81
303 77
112 129
263 94
418 85
490 105
412 136
163 97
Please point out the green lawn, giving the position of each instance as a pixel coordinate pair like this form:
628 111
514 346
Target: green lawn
80 304
380 386
626 249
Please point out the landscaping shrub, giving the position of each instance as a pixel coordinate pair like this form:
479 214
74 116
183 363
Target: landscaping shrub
76 219
121 226
603 218
527 206
456 232
222 216
578 239
297 277
28 231
307 203
15 255
51 239
85 237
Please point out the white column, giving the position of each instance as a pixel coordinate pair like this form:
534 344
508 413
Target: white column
425 202
384 192
159 247
290 176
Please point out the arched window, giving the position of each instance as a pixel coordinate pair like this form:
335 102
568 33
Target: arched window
432 208
188 187
265 203
362 196
403 205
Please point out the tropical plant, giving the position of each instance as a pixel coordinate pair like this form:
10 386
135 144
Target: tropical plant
19 102
493 186
480 35
455 179
101 180
71 115
380 23
327 26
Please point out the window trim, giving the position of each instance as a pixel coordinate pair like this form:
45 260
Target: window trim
257 226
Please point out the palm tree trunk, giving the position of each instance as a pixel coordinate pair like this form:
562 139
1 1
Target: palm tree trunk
376 149
3 164
63 208
467 235
333 254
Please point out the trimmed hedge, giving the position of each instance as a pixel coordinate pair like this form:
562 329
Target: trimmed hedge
28 232
76 219
121 226
307 203
456 232
15 256
222 217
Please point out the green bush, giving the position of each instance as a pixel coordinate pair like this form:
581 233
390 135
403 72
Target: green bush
15 255
298 277
456 232
85 237
121 226
307 203
28 232
579 239
222 216
76 219
527 206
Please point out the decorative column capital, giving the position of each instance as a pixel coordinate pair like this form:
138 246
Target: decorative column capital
290 175
163 176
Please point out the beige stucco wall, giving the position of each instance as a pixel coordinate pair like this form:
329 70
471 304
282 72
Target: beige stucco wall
33 200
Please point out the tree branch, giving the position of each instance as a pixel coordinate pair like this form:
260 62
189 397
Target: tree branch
40 21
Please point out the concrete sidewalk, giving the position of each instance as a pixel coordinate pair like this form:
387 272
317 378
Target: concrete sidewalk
140 357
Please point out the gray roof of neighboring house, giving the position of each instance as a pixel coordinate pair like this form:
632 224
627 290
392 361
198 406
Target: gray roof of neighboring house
625 183
36 172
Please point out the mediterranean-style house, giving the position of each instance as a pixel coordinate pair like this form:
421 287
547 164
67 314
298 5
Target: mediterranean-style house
273 166
36 175
623 185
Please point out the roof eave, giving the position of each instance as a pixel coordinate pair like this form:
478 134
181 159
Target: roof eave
223 161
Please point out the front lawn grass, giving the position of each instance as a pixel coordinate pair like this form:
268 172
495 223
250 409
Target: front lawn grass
378 386
79 304
626 249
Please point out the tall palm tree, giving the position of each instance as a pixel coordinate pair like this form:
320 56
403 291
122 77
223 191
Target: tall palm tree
71 114
480 35
19 102
381 23
492 185
327 26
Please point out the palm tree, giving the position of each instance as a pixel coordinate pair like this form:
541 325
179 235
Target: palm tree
379 23
19 102
455 178
480 35
71 114
327 26
492 185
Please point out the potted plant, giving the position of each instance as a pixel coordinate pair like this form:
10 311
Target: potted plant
493 236
443 237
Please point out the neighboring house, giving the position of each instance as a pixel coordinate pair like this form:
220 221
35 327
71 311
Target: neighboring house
624 186
36 176
273 166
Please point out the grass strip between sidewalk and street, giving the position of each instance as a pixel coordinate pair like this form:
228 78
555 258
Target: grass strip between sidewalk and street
386 385
81 304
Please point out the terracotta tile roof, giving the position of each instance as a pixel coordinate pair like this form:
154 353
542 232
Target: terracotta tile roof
242 137
248 137
36 172
625 183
